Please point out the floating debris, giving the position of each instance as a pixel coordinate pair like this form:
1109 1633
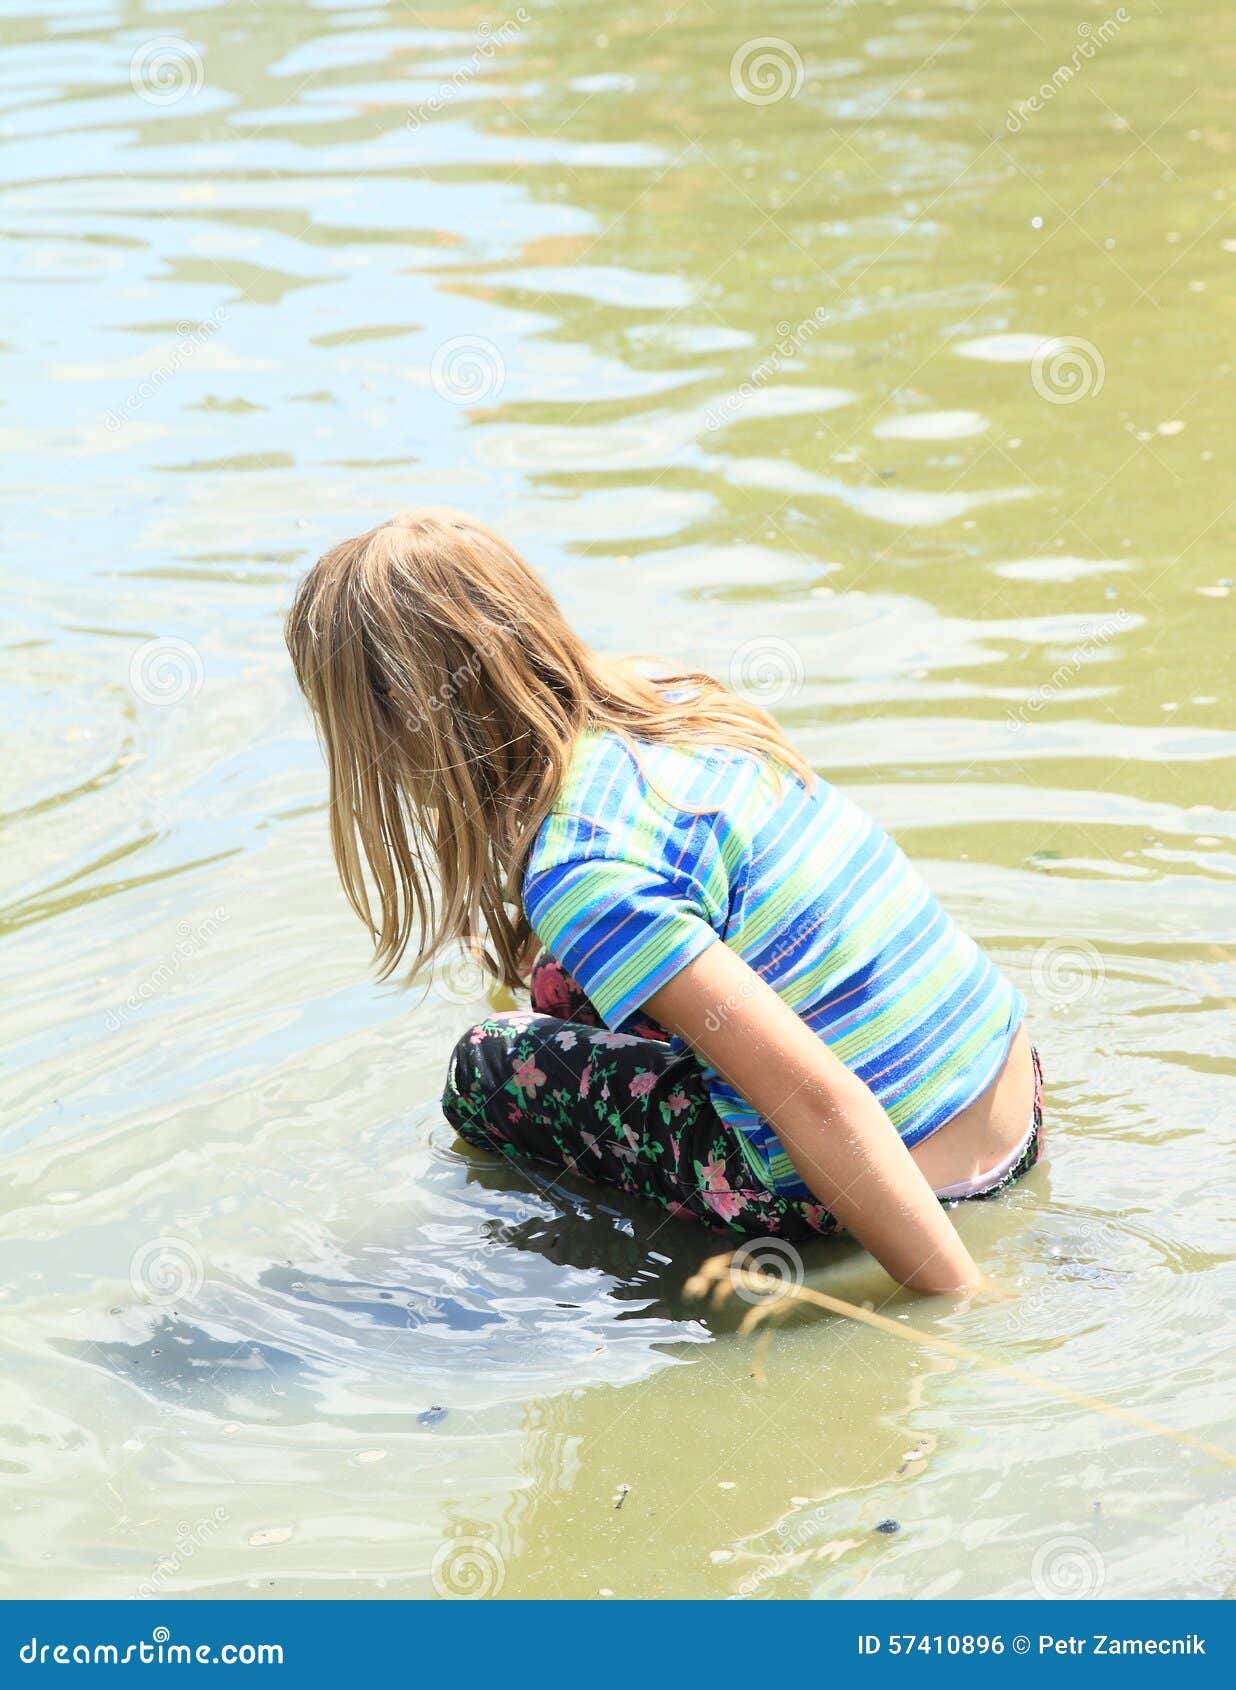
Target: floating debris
432 1415
270 1534
888 1527
620 1496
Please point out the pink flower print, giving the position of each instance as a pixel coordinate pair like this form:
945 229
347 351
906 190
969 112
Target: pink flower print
816 1215
642 1084
585 1080
724 1204
716 1192
476 1036
527 1075
614 1041
676 1102
510 1022
628 1150
565 1040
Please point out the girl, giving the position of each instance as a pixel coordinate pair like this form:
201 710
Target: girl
748 1007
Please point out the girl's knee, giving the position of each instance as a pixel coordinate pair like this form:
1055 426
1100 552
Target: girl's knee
463 1084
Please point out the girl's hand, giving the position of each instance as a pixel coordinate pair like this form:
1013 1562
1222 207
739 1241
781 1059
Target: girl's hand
838 1137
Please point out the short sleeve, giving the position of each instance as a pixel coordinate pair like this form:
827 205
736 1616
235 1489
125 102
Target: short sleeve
621 929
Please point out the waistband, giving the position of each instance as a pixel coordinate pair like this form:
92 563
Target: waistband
997 1176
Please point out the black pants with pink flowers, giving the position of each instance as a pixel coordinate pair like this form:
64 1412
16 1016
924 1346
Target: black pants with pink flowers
630 1110
623 1109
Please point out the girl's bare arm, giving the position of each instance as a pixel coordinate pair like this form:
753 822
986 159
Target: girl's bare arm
838 1136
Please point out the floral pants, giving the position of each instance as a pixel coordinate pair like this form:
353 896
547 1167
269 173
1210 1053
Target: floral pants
623 1109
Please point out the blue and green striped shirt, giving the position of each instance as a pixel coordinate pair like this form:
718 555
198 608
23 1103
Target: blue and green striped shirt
635 872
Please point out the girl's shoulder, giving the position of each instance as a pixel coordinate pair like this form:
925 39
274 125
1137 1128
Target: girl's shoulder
630 816
611 774
638 802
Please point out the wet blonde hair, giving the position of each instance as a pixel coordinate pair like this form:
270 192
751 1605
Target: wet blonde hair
449 693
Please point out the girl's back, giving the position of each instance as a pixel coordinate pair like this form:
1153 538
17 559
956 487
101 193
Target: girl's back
652 851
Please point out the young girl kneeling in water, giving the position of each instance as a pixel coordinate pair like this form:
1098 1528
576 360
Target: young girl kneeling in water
747 1005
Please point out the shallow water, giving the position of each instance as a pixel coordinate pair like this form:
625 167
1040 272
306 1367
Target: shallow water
758 382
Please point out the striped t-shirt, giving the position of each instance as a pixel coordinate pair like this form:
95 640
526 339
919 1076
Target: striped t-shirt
633 874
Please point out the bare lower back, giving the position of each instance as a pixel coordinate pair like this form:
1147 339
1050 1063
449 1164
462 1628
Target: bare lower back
989 1129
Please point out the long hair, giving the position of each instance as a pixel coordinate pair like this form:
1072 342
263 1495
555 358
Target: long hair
449 693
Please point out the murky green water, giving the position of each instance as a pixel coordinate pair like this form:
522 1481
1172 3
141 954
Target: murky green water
757 381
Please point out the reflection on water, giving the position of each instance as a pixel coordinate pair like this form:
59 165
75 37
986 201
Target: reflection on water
846 372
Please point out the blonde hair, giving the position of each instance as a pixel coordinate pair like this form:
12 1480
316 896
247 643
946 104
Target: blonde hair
449 693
